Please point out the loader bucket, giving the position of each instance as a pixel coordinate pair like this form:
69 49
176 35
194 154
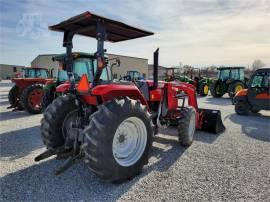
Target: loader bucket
210 121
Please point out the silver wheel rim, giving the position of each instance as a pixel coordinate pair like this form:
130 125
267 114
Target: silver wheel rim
129 141
192 126
71 118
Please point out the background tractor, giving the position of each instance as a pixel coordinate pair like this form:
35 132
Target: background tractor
172 74
230 80
110 124
28 90
133 75
201 83
257 96
192 77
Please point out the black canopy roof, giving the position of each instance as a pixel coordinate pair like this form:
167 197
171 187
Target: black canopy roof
85 24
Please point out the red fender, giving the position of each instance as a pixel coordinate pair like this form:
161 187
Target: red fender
109 91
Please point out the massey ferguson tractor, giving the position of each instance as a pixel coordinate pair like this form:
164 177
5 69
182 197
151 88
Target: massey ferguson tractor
110 124
28 91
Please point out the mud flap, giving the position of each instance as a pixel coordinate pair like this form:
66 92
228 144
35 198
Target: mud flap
210 121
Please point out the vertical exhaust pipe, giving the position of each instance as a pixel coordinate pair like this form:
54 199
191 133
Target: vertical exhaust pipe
155 69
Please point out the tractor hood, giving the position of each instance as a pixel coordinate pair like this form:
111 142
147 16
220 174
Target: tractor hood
242 92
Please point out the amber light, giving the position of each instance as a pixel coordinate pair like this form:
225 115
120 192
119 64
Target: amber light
83 85
100 63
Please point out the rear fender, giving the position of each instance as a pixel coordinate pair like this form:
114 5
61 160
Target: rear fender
23 83
62 88
108 92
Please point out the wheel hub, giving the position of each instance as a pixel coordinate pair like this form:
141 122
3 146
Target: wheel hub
205 89
129 141
35 99
122 138
238 88
71 120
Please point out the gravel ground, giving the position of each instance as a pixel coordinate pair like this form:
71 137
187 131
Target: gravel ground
226 167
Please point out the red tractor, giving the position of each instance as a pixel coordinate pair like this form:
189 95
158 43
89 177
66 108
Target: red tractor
110 124
28 91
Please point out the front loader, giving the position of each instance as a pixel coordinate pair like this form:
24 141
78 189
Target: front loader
110 124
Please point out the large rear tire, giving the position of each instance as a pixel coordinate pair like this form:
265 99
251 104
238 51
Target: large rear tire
216 90
234 88
53 122
118 139
187 126
47 99
31 98
12 95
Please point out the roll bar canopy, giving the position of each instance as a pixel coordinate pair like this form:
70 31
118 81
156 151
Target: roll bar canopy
85 24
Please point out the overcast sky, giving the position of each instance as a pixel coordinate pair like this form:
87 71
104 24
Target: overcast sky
196 32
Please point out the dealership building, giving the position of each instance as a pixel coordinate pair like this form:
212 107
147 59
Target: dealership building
9 71
127 63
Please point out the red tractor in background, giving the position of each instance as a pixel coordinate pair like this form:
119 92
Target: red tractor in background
28 91
110 124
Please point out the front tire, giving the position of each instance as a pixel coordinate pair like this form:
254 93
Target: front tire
241 108
203 89
255 110
187 126
118 139
216 90
52 123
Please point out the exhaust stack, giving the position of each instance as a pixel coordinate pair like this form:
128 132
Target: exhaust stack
155 70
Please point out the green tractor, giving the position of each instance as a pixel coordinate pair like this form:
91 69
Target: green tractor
171 75
230 80
192 77
81 63
201 83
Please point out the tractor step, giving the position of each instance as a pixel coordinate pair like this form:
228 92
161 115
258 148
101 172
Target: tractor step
50 152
